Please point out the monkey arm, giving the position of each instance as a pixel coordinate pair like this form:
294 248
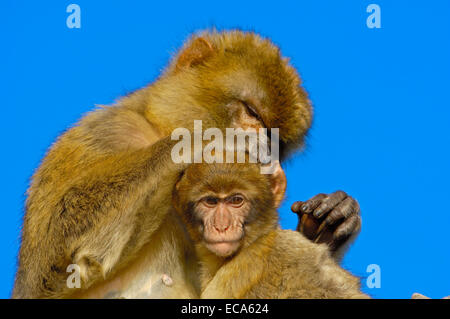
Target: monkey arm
91 209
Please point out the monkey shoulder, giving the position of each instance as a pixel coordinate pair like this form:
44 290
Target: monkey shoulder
298 256
288 267
303 269
118 127
295 249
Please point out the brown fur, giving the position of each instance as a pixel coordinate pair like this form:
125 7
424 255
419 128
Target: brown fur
102 192
271 263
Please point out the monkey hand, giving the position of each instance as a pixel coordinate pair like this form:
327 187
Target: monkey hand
333 219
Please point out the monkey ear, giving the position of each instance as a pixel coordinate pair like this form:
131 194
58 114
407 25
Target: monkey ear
176 196
279 182
177 184
197 52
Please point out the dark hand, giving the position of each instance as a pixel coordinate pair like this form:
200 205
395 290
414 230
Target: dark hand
332 219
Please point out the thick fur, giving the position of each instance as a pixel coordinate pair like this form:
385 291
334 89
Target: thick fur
104 187
283 264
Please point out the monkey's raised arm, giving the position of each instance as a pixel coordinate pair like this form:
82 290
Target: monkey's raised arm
91 208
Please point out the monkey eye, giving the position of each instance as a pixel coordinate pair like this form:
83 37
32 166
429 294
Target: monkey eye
210 201
251 110
235 200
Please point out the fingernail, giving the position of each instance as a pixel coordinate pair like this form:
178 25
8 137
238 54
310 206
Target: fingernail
295 207
318 213
304 207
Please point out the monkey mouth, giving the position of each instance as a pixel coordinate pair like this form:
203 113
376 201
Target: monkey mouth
223 248
222 241
212 237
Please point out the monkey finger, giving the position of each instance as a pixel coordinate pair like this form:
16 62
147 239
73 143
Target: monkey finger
342 211
329 203
296 207
302 224
308 226
349 227
325 236
311 204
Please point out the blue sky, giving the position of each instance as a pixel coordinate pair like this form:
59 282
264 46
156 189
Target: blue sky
382 113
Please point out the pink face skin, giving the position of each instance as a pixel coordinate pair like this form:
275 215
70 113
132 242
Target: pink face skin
223 222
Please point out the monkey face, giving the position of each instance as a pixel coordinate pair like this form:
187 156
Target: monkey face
222 219
228 206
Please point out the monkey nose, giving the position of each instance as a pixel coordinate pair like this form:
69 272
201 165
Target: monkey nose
221 228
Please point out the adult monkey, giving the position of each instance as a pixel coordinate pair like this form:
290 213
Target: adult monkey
100 198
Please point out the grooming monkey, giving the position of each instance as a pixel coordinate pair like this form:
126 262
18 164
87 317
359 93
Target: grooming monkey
101 196
230 213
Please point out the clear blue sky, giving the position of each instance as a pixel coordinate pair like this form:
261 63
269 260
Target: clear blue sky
381 131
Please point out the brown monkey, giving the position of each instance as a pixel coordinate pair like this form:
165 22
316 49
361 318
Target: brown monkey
230 213
101 197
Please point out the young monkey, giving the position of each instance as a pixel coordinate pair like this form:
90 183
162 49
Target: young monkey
230 213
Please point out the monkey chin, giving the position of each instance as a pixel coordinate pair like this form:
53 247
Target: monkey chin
224 248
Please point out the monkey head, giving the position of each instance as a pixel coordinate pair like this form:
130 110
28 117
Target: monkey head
228 206
243 81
